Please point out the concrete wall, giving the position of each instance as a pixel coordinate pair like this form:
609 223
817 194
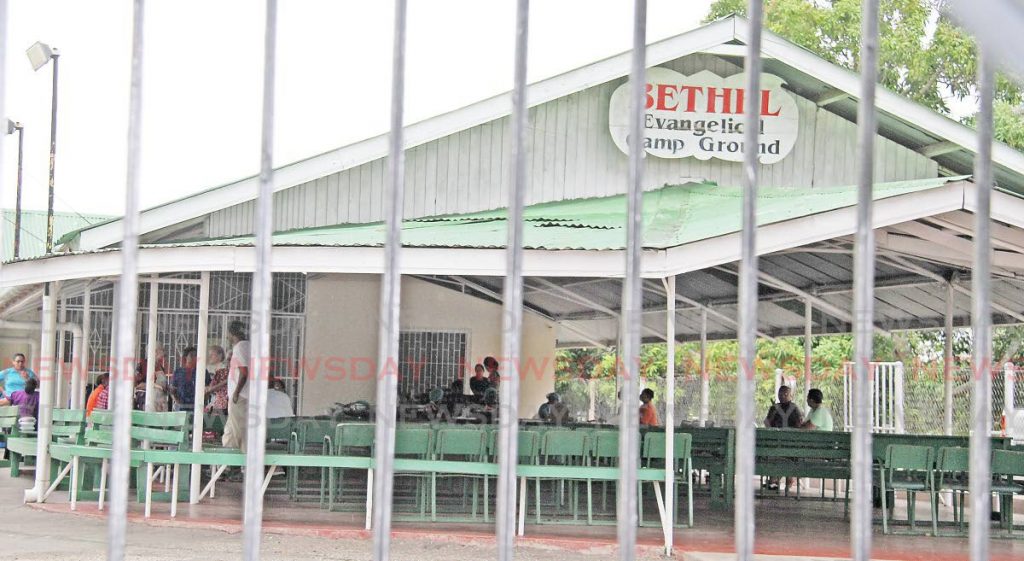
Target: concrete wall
341 337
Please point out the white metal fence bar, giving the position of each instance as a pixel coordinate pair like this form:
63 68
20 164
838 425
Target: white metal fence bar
668 521
122 375
981 281
508 435
259 362
3 114
390 302
864 287
747 333
632 303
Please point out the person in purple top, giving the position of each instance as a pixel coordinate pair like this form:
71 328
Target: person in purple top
27 399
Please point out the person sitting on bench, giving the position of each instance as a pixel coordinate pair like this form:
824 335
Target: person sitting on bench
818 418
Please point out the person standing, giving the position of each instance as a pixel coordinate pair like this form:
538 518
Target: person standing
238 377
218 387
14 378
183 384
100 391
783 415
818 418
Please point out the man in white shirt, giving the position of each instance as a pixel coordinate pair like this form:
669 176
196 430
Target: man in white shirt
279 405
238 376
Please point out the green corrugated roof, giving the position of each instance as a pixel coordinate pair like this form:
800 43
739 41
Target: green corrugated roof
673 215
33 230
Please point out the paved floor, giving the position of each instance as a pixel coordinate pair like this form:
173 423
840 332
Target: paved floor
786 528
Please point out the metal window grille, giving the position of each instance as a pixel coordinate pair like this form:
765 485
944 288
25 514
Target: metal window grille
430 359
178 320
262 299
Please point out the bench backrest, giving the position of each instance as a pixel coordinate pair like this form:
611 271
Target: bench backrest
68 424
802 444
100 431
168 428
9 417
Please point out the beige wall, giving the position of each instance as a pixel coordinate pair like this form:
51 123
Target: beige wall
341 337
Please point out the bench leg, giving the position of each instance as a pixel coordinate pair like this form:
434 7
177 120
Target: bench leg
369 498
174 491
74 482
212 483
103 483
885 513
522 505
60 477
149 489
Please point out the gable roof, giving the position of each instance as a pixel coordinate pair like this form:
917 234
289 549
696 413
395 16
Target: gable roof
901 119
673 215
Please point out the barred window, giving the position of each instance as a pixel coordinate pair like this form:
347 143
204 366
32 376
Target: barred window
430 359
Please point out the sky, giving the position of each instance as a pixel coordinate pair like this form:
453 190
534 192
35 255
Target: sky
202 80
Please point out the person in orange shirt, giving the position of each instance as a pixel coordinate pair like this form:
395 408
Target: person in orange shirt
648 415
94 397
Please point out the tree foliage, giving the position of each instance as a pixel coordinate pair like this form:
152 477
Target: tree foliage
922 54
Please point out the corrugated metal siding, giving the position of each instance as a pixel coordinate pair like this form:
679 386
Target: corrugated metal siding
571 156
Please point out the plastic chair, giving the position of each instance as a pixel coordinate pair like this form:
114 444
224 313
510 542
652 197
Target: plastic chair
468 444
911 469
1006 467
350 439
569 448
654 449
953 466
604 451
417 444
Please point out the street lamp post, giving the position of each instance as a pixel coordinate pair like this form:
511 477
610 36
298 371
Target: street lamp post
11 128
39 54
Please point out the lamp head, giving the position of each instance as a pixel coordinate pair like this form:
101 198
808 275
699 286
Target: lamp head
12 127
39 54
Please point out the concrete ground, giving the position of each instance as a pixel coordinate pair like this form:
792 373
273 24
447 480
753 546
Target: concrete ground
786 529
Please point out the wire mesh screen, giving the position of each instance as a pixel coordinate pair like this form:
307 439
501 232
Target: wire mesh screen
430 359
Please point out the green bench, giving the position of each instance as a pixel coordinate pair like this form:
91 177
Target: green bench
714 451
804 454
8 427
68 427
156 430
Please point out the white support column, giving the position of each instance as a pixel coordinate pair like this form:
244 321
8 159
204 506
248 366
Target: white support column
85 355
705 378
195 477
154 291
47 374
808 345
947 365
1009 399
58 387
668 520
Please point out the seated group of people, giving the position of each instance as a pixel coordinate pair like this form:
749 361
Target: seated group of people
786 414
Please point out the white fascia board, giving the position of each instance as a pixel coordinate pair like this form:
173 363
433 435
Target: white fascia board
416 134
369 260
897 106
815 228
1005 208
